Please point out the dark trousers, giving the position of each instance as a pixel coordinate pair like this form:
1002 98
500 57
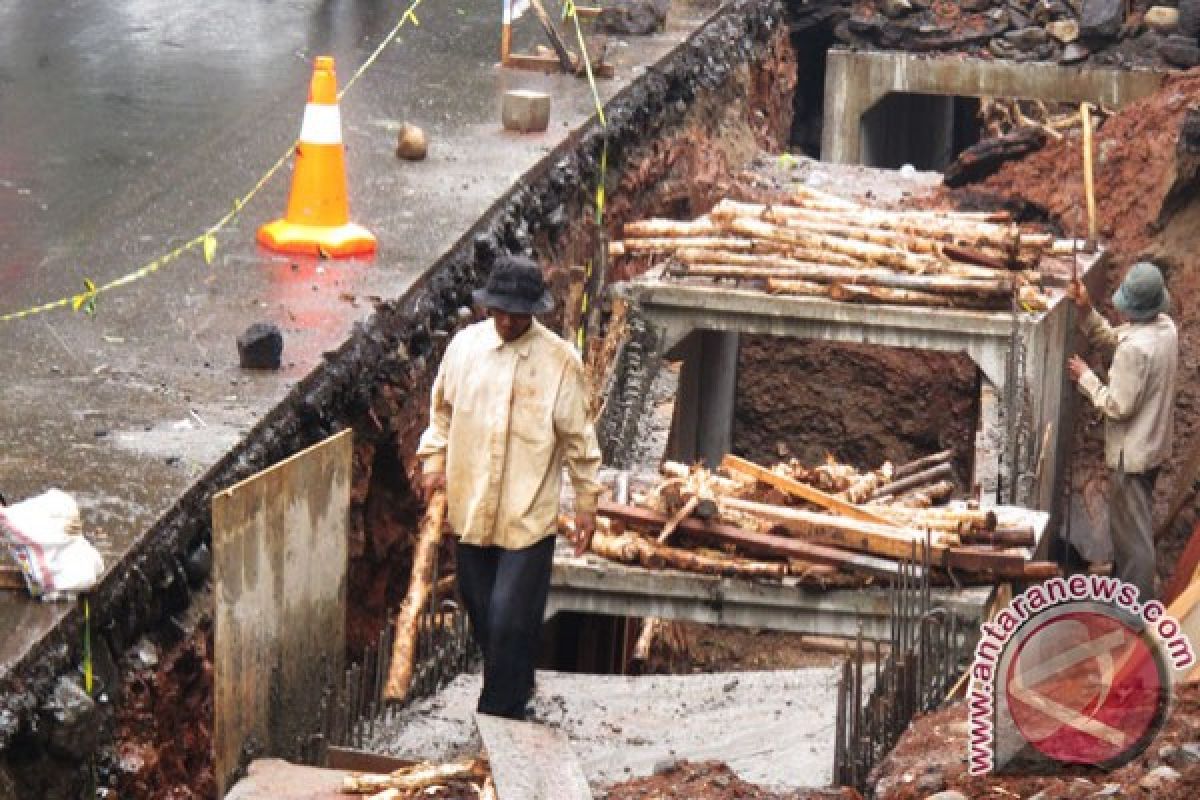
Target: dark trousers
505 594
1131 524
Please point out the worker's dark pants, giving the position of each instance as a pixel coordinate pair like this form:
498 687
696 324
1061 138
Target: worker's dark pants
1130 520
505 593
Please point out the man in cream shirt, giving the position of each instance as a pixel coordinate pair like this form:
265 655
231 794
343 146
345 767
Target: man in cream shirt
509 409
1138 404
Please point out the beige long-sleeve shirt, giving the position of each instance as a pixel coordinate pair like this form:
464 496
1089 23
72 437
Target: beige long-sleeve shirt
1138 402
504 419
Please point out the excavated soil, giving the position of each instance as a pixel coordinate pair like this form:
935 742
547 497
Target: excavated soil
1134 168
164 728
710 780
932 757
861 404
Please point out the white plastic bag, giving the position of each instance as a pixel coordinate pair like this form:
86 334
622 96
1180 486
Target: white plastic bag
42 533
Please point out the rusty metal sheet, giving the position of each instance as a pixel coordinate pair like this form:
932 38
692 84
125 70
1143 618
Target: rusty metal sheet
531 761
279 572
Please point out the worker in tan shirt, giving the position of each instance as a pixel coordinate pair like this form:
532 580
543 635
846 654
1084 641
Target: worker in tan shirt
509 410
1138 404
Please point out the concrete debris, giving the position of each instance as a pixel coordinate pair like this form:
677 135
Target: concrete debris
1102 18
1162 19
261 346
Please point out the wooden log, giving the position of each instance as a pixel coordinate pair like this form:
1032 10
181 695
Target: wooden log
850 293
664 228
669 244
799 288
416 778
786 258
632 548
947 226
803 491
926 496
878 255
400 672
879 539
861 489
1016 537
948 284
911 467
915 479
762 544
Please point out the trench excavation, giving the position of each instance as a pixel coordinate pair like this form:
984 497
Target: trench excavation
749 85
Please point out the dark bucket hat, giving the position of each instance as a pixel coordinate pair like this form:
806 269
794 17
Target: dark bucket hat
515 285
1142 295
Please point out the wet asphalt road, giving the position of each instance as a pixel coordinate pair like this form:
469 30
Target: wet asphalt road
127 129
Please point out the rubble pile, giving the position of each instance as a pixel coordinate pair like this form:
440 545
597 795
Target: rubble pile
1095 32
824 525
818 245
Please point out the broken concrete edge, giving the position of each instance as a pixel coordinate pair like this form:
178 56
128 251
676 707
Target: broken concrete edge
395 345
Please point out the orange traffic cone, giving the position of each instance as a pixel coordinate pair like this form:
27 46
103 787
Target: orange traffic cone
318 213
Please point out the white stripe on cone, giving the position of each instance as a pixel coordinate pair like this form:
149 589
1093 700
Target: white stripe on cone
322 125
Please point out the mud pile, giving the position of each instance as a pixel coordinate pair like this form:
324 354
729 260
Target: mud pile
931 758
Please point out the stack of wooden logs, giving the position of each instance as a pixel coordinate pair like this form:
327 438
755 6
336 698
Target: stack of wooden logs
822 523
469 778
820 245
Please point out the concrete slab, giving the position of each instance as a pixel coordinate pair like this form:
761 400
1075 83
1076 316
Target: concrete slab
280 542
531 761
276 779
129 410
772 728
595 586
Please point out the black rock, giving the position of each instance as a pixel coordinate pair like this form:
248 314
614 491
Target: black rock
1180 51
633 16
261 346
71 718
1189 18
1101 18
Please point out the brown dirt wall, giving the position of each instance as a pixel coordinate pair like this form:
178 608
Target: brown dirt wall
1135 166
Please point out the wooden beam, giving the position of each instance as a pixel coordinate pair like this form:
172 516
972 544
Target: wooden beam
886 539
801 490
753 542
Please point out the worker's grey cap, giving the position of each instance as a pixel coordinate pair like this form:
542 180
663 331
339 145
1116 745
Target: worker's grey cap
1142 295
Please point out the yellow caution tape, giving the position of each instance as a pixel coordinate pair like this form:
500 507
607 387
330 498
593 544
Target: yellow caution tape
570 12
86 300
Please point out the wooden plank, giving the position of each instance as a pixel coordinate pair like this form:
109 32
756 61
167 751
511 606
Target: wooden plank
351 760
887 539
801 490
754 542
279 599
531 761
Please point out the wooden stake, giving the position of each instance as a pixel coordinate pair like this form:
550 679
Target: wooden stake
400 673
